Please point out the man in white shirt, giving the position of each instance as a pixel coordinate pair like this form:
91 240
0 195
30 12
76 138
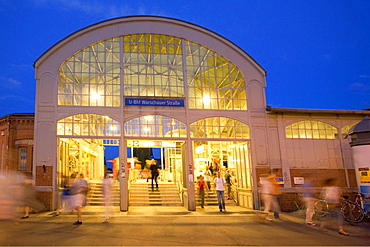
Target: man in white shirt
220 190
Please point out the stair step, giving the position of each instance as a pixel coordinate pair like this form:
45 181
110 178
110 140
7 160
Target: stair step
95 195
155 204
143 195
140 195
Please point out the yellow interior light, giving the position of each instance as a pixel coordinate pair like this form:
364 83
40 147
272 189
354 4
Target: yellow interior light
94 96
206 99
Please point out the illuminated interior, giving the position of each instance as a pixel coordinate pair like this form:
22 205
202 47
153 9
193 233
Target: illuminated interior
81 156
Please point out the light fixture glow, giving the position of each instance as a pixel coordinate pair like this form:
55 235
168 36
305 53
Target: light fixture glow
95 96
206 99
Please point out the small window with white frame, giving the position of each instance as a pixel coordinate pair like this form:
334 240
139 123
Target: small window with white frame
22 158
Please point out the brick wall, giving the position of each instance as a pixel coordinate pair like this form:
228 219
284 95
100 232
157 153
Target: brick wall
289 196
15 128
46 198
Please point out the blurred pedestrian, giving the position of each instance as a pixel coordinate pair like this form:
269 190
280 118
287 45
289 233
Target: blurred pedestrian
269 191
107 194
78 191
63 194
308 198
276 192
207 180
9 197
266 196
28 196
220 190
333 194
201 187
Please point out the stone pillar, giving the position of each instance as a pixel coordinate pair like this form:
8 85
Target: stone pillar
360 143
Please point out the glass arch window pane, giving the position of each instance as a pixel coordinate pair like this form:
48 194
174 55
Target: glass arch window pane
153 66
219 127
155 126
88 125
311 129
213 81
87 77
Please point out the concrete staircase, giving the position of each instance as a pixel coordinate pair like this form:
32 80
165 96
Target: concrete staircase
211 200
95 194
141 194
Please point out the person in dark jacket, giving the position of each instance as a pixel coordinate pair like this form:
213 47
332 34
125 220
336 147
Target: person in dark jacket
155 173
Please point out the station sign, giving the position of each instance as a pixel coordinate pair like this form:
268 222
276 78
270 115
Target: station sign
154 102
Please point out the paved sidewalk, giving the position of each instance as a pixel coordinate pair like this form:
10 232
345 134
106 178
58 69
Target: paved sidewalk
99 211
174 226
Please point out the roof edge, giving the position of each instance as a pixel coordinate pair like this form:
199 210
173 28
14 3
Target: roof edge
316 111
60 42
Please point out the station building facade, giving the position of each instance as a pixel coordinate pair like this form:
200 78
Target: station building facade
146 81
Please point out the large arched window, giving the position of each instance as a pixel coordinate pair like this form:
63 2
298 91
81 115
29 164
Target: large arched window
220 127
155 126
310 129
88 125
153 65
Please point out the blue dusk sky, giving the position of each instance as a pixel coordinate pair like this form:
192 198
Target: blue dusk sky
316 52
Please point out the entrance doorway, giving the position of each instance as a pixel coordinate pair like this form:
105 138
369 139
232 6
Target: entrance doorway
227 157
94 159
168 156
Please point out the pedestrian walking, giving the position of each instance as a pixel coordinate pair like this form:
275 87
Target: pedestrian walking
201 187
107 194
78 191
220 190
308 198
268 191
275 192
333 194
228 184
155 174
207 180
10 194
28 196
63 195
